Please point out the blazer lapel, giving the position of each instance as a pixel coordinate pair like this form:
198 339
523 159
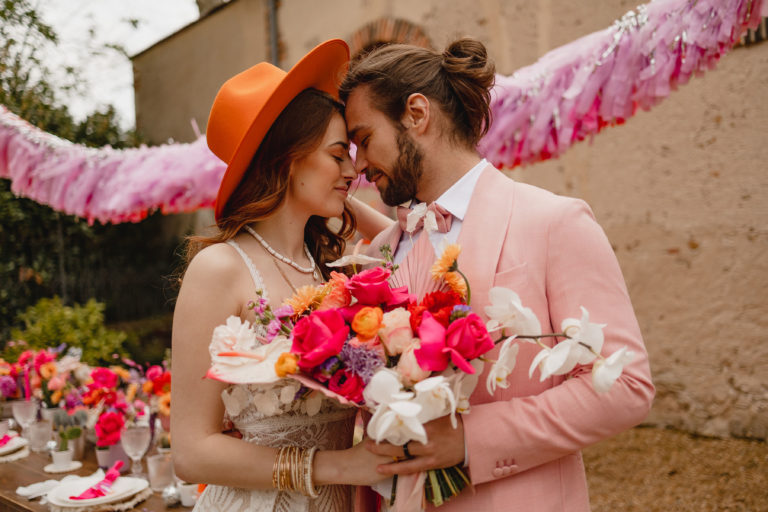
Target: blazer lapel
483 233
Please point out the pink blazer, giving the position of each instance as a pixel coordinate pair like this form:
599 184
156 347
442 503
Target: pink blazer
524 442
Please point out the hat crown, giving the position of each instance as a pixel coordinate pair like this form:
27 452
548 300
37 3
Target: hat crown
238 104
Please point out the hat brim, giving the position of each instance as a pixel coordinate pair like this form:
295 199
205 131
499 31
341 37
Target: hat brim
320 69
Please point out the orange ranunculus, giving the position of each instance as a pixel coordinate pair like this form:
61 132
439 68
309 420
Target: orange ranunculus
93 397
367 322
446 262
287 364
48 370
147 387
164 404
56 396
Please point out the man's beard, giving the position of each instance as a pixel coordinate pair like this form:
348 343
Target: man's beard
403 183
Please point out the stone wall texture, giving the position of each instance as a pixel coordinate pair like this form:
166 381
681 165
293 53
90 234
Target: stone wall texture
681 191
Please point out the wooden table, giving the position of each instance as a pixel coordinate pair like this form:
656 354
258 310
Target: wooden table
30 470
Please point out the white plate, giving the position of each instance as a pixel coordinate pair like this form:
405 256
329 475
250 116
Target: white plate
14 444
123 487
73 465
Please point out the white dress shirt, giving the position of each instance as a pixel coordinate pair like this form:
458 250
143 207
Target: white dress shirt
456 201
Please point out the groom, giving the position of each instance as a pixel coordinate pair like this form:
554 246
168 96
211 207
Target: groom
416 116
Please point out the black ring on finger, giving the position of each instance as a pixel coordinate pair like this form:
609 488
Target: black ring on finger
406 452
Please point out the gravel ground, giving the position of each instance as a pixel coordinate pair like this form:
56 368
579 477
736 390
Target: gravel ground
650 469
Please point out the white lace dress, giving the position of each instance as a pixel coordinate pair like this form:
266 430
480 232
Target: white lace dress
270 416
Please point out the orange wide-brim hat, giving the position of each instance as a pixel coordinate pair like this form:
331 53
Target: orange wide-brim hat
248 104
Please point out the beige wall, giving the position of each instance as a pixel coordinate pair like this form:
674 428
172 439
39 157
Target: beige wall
176 80
682 192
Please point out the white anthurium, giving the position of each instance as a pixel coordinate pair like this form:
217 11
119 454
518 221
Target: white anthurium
355 259
605 372
237 357
397 423
497 376
583 331
507 312
436 399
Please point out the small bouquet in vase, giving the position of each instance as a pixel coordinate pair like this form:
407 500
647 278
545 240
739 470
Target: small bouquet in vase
361 341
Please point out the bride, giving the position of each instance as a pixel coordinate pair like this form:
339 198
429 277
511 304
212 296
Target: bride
285 142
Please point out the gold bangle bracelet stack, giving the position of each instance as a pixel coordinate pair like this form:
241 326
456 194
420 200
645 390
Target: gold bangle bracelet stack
292 470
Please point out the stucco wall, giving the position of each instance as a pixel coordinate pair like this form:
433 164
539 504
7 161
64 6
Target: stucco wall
176 80
682 191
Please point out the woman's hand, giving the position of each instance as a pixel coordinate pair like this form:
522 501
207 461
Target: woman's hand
353 466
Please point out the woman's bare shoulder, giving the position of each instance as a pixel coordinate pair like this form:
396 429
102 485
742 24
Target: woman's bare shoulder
215 263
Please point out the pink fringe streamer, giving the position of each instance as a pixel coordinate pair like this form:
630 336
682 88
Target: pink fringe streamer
538 113
601 79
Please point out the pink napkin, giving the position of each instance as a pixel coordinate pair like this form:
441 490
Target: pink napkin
5 439
103 486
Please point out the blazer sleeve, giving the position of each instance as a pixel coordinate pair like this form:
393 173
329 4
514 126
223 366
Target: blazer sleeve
581 270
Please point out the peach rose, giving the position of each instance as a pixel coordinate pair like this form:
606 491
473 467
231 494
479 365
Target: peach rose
408 367
396 333
338 295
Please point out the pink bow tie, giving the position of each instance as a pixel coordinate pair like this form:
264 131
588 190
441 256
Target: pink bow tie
442 216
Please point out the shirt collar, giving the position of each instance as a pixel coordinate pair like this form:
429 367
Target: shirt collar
456 198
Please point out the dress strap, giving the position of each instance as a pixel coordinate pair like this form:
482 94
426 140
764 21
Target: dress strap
257 280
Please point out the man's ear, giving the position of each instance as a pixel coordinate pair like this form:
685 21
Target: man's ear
416 115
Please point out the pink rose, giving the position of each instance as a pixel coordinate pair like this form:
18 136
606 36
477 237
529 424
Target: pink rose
108 428
466 339
104 378
396 333
318 336
371 288
408 367
154 372
347 384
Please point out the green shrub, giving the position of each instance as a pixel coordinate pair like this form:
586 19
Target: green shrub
49 323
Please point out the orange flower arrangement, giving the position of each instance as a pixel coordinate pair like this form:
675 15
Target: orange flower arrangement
306 297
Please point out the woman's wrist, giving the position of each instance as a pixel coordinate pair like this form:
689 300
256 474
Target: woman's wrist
327 467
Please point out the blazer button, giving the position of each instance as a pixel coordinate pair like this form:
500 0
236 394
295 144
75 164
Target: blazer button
497 472
506 470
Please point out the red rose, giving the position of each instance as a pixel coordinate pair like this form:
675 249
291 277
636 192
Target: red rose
466 339
440 304
108 428
318 336
348 385
104 378
371 288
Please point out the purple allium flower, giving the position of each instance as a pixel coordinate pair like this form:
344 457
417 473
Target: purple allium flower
361 361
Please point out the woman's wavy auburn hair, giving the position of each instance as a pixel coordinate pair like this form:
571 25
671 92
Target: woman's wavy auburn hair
295 134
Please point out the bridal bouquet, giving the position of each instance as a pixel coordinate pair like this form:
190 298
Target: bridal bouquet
360 341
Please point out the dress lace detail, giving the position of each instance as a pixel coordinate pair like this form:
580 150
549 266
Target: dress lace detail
271 416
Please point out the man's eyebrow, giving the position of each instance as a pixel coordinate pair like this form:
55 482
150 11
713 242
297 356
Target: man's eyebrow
353 132
341 143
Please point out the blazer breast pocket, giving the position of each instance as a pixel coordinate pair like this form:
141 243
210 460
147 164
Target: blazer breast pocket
515 278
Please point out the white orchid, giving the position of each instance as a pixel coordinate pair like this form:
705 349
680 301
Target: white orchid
436 399
463 384
507 312
605 372
497 376
238 358
583 332
397 423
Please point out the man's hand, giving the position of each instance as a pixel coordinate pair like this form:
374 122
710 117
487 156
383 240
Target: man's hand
444 448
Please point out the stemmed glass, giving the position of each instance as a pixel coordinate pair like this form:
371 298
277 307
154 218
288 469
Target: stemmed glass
135 440
25 413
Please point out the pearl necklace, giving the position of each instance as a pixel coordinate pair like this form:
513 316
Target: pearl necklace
312 269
